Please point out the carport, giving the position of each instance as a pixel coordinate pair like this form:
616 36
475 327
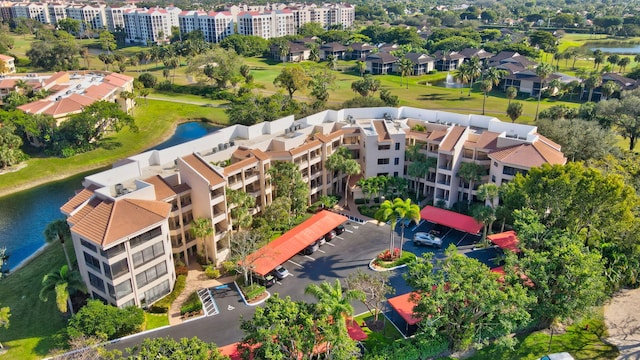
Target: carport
403 306
451 219
293 241
507 240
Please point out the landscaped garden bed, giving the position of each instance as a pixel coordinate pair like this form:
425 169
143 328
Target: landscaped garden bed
387 260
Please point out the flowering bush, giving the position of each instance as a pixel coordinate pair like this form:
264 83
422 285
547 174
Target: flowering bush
387 256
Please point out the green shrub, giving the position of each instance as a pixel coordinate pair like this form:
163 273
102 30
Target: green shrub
105 321
192 304
413 349
253 291
163 305
228 267
360 201
406 258
211 272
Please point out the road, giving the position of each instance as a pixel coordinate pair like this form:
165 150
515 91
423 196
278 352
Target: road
351 251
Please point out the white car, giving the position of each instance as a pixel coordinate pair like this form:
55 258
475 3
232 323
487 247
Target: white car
280 272
423 238
558 356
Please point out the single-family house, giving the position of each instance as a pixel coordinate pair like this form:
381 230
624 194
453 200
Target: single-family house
380 63
335 49
447 61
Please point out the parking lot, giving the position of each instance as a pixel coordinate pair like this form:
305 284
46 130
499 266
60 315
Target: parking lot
348 252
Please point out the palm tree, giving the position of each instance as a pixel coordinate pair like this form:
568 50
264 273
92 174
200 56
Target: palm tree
609 88
511 92
407 212
514 111
485 86
485 215
475 70
406 68
598 59
341 161
542 71
64 283
591 83
623 62
494 75
471 173
636 58
386 213
59 230
332 61
463 74
362 67
201 228
336 304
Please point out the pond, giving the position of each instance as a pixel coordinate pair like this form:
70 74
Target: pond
616 48
24 215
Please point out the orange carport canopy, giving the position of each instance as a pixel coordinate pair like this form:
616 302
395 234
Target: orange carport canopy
293 241
451 219
507 240
404 306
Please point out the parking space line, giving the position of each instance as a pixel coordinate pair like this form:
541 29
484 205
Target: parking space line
309 257
330 244
464 236
338 237
322 251
295 263
349 231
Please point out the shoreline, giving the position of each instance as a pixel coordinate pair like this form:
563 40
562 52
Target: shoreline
29 258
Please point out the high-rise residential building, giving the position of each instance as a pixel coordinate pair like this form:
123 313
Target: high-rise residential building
215 26
150 25
129 223
35 11
267 25
57 12
91 17
115 16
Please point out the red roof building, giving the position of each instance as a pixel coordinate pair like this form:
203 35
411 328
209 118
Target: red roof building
507 240
451 219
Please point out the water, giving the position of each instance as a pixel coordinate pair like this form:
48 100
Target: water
617 48
450 83
24 215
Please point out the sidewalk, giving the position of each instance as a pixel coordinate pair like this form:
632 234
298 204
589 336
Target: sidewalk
196 279
352 210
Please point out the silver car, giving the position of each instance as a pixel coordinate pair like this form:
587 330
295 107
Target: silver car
280 272
423 238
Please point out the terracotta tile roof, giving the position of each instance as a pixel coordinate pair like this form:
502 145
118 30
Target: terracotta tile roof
117 80
330 137
437 135
381 130
305 147
78 199
84 210
203 169
99 92
162 189
239 165
35 107
111 221
487 140
529 155
451 139
53 80
8 83
6 58
241 153
71 104
260 155
552 155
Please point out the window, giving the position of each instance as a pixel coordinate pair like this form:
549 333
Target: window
384 147
96 282
142 238
151 274
128 303
157 292
98 297
395 174
117 269
384 161
88 245
91 261
397 146
396 161
495 164
121 290
118 249
148 254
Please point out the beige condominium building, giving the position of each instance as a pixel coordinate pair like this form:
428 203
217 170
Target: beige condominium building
128 223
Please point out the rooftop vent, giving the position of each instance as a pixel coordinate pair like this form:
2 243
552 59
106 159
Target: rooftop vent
119 189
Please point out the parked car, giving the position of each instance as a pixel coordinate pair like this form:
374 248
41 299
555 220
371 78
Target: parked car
266 280
558 356
280 272
330 235
310 249
423 238
321 241
339 229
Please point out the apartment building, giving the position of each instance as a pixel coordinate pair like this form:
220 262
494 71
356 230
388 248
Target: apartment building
215 26
29 10
91 17
150 25
115 16
57 12
129 223
9 63
267 25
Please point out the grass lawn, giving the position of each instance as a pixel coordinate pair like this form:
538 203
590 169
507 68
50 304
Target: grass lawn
577 340
155 120
153 321
376 339
33 322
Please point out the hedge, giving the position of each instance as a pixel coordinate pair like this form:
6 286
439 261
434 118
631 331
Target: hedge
163 305
414 349
253 291
192 304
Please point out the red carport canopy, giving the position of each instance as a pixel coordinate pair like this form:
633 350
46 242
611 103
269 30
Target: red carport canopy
507 240
293 241
451 219
355 331
404 306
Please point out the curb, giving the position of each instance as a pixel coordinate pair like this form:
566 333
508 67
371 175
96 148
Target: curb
245 300
384 269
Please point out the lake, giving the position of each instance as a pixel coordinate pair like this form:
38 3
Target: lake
24 215
616 48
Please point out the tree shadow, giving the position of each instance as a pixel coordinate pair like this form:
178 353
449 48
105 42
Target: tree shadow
434 96
109 144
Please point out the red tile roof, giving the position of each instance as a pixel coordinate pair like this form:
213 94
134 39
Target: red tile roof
451 139
204 169
78 199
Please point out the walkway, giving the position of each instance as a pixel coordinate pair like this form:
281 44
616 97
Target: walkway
196 280
623 323
351 211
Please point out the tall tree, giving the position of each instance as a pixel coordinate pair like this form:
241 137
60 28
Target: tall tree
63 283
241 204
292 78
107 41
342 162
167 348
407 213
609 88
386 213
406 69
288 182
474 71
375 286
10 147
202 229
543 71
464 301
592 82
514 111
625 115
362 67
243 244
59 230
511 92
471 173
485 86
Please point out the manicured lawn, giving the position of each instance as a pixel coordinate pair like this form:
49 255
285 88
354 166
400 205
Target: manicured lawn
33 322
581 342
154 321
376 339
155 120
